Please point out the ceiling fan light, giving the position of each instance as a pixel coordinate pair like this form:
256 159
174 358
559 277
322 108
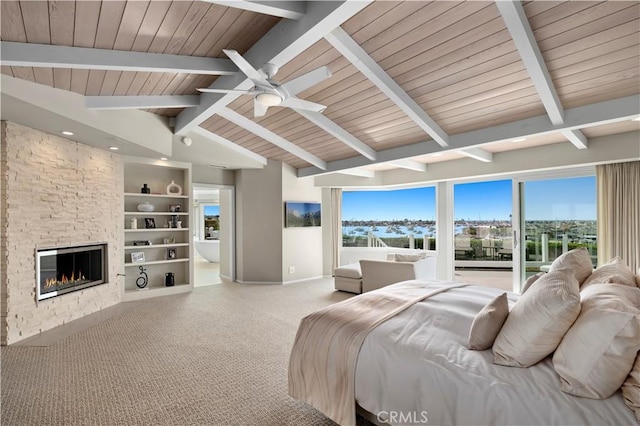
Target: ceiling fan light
268 99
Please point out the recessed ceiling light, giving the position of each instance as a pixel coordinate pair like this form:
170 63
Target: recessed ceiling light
636 119
67 133
164 158
216 166
436 154
114 148
516 140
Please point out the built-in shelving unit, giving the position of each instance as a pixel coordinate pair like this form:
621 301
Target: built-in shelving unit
160 240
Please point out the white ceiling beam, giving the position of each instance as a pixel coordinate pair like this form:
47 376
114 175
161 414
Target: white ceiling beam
228 144
478 154
339 133
137 102
347 46
280 45
597 114
410 165
359 172
50 56
516 20
268 135
577 138
282 9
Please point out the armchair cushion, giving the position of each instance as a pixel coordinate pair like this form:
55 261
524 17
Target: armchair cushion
380 273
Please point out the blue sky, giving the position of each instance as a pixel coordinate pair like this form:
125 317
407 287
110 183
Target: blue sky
211 210
559 199
416 203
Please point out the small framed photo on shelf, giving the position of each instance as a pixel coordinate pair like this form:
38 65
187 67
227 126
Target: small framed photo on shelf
137 257
171 253
175 208
169 240
149 223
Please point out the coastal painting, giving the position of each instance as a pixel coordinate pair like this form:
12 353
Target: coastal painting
302 214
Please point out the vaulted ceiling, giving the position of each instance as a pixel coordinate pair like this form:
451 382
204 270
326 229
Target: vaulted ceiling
412 82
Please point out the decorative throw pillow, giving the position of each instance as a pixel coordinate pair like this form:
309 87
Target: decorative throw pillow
638 278
409 257
538 320
529 282
631 389
487 324
576 261
597 353
614 271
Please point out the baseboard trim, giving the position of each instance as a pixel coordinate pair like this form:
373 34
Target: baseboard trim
260 282
319 277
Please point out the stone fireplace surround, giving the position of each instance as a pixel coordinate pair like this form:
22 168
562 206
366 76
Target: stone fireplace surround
54 192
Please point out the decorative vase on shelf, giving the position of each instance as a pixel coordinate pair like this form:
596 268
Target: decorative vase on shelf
146 207
145 189
134 223
174 189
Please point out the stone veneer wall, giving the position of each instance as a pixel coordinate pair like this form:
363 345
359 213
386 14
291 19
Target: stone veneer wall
54 192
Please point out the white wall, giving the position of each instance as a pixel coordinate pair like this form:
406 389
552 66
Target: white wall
204 174
301 247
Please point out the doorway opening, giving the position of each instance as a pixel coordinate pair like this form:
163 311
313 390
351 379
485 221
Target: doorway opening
213 234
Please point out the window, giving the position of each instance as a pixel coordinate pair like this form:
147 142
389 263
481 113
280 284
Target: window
482 212
557 215
403 218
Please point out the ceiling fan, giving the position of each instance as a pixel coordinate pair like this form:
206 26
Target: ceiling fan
268 92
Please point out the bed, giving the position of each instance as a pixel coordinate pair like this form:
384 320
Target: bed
413 367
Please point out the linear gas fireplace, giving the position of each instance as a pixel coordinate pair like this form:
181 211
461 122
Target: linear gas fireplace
67 269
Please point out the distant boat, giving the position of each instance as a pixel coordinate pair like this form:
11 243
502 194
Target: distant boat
374 228
359 229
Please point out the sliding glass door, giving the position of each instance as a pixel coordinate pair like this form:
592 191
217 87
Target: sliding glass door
507 230
483 235
556 215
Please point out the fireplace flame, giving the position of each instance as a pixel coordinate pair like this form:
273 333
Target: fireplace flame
64 280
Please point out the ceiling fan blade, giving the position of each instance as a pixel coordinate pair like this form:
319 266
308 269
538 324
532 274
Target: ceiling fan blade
209 90
259 110
297 103
253 74
307 80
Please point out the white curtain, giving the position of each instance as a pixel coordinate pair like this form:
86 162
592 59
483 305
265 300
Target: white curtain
619 212
336 227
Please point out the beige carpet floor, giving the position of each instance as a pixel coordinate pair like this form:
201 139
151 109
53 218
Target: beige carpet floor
216 356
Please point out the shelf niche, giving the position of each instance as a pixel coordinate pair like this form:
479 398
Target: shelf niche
157 175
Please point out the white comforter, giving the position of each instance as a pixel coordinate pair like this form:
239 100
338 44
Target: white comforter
415 368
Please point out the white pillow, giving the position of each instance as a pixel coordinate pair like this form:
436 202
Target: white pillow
614 271
631 389
529 282
487 324
576 261
409 257
597 353
538 320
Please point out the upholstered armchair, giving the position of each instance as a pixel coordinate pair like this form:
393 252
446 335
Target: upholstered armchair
380 273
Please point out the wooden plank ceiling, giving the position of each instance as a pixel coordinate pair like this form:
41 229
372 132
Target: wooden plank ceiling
456 60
